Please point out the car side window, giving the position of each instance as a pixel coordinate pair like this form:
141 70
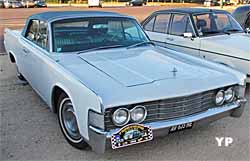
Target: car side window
38 33
247 23
42 35
131 31
32 30
203 23
180 25
161 23
150 24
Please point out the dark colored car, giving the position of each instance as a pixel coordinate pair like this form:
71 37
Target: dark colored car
137 2
242 15
208 3
40 3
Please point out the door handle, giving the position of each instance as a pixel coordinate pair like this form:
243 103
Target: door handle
26 51
170 39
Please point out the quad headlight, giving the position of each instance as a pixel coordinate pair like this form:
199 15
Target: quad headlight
138 114
121 117
220 97
229 94
226 95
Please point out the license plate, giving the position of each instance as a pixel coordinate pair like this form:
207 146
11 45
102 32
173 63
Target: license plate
181 127
130 135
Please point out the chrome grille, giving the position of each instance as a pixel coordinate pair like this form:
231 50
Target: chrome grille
170 108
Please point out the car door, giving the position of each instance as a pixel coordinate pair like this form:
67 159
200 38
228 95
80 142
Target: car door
36 63
156 28
182 37
27 42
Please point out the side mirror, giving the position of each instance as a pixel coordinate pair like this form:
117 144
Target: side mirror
247 30
188 35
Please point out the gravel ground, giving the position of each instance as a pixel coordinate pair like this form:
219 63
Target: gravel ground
29 131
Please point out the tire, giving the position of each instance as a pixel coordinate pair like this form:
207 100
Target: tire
19 75
72 136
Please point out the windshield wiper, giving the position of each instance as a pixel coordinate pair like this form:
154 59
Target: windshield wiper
100 48
140 44
211 32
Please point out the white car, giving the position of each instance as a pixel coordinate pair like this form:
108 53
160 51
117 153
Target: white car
109 85
210 34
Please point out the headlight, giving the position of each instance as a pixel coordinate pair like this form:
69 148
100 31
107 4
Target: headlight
138 114
121 117
229 94
220 97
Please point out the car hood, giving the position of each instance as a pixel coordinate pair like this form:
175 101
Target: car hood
126 76
133 67
235 45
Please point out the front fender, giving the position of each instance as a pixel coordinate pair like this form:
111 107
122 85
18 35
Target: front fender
83 100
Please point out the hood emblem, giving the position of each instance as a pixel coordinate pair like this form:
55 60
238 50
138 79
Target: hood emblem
174 71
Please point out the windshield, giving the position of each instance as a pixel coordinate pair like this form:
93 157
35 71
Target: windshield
73 35
216 23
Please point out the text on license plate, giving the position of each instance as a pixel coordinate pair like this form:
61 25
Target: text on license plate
180 127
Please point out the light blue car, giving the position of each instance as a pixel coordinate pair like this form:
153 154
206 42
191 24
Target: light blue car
103 77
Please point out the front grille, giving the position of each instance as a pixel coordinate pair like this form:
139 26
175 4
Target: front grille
170 108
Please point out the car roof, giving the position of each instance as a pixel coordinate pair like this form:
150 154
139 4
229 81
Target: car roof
245 8
192 10
50 16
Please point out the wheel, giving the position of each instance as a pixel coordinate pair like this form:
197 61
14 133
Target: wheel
19 75
68 123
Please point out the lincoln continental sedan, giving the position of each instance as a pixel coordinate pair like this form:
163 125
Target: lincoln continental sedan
111 86
210 34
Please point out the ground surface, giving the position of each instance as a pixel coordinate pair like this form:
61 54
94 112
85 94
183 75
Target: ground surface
29 131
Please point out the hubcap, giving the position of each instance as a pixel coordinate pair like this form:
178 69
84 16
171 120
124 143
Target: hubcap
69 121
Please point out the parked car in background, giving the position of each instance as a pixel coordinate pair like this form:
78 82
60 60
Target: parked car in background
246 2
136 3
210 34
1 4
16 4
40 3
95 3
7 4
242 15
28 3
209 3
108 83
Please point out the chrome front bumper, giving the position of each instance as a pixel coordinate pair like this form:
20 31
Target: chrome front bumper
99 140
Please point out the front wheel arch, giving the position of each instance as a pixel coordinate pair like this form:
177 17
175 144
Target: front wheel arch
12 58
56 92
78 142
